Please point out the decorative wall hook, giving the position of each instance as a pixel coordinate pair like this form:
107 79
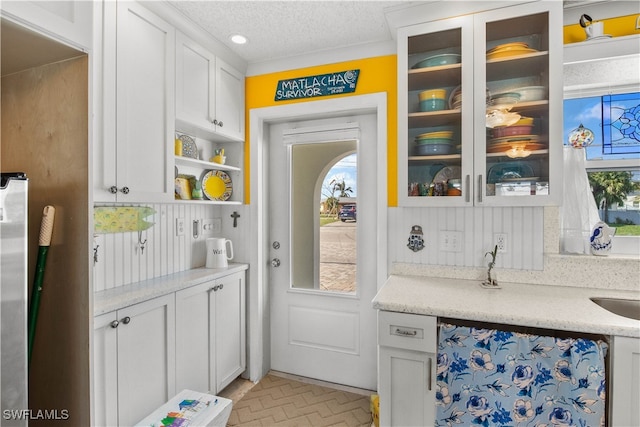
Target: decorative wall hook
141 243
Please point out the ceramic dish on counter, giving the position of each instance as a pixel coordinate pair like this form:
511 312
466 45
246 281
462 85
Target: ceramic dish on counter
217 185
437 60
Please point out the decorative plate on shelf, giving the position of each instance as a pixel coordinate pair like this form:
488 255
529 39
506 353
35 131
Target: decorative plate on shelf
217 185
447 173
189 147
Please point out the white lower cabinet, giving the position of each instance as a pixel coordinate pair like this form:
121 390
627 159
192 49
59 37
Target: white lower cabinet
625 390
210 334
407 349
134 361
145 353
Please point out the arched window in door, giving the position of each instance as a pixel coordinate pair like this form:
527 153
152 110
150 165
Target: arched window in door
324 178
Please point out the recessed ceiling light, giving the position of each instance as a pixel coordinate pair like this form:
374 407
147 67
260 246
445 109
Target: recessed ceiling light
238 39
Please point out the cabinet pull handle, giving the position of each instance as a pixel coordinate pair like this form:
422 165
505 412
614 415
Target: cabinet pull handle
412 333
429 374
126 320
114 324
480 188
467 190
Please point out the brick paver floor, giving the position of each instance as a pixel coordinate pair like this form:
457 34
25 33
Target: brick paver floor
338 256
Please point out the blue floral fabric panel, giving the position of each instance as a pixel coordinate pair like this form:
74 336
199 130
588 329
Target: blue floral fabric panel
499 378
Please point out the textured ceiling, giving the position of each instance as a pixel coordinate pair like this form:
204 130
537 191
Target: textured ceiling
279 29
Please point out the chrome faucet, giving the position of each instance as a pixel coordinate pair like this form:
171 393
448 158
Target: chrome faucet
491 282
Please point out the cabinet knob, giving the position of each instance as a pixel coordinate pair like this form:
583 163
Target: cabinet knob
214 121
220 287
125 190
220 124
113 189
126 320
114 324
275 262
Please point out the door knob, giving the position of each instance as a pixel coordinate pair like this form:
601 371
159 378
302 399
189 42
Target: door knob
275 262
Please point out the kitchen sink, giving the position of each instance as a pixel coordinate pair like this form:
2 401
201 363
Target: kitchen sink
622 307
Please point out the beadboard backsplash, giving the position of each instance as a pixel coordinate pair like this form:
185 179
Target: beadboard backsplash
120 260
522 226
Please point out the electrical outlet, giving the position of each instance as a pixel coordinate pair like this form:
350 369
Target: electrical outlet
179 226
451 241
500 240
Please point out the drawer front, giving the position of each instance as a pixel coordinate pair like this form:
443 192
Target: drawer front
407 331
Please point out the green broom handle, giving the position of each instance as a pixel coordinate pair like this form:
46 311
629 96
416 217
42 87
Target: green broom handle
46 229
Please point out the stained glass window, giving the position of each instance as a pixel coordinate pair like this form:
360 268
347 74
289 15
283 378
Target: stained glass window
614 121
621 123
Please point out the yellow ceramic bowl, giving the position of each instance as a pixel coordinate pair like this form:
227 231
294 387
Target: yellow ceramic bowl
524 121
447 134
432 94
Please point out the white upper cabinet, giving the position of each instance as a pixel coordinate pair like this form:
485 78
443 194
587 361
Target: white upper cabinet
135 160
68 21
209 94
480 109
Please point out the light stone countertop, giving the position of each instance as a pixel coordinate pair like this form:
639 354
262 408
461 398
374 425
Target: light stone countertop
123 296
539 306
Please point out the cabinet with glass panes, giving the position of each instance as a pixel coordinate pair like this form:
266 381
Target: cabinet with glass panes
480 109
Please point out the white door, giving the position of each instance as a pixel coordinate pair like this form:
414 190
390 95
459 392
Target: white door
315 333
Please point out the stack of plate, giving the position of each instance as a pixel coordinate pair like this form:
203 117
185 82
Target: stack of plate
433 143
455 98
525 142
509 49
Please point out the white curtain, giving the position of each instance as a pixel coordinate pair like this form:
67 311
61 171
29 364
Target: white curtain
579 212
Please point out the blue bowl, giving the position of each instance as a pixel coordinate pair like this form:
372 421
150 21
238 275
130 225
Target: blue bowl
432 104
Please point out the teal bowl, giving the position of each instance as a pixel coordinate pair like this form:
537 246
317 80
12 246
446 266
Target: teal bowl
434 61
429 141
436 104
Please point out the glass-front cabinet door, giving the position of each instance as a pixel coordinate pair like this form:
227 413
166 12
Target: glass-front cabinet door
518 151
435 122
480 109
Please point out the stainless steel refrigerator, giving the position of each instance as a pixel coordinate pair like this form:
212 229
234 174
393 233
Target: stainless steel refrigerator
13 299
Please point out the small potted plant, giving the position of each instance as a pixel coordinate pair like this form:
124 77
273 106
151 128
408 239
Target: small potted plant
491 281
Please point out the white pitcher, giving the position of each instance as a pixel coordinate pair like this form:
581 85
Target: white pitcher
217 254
